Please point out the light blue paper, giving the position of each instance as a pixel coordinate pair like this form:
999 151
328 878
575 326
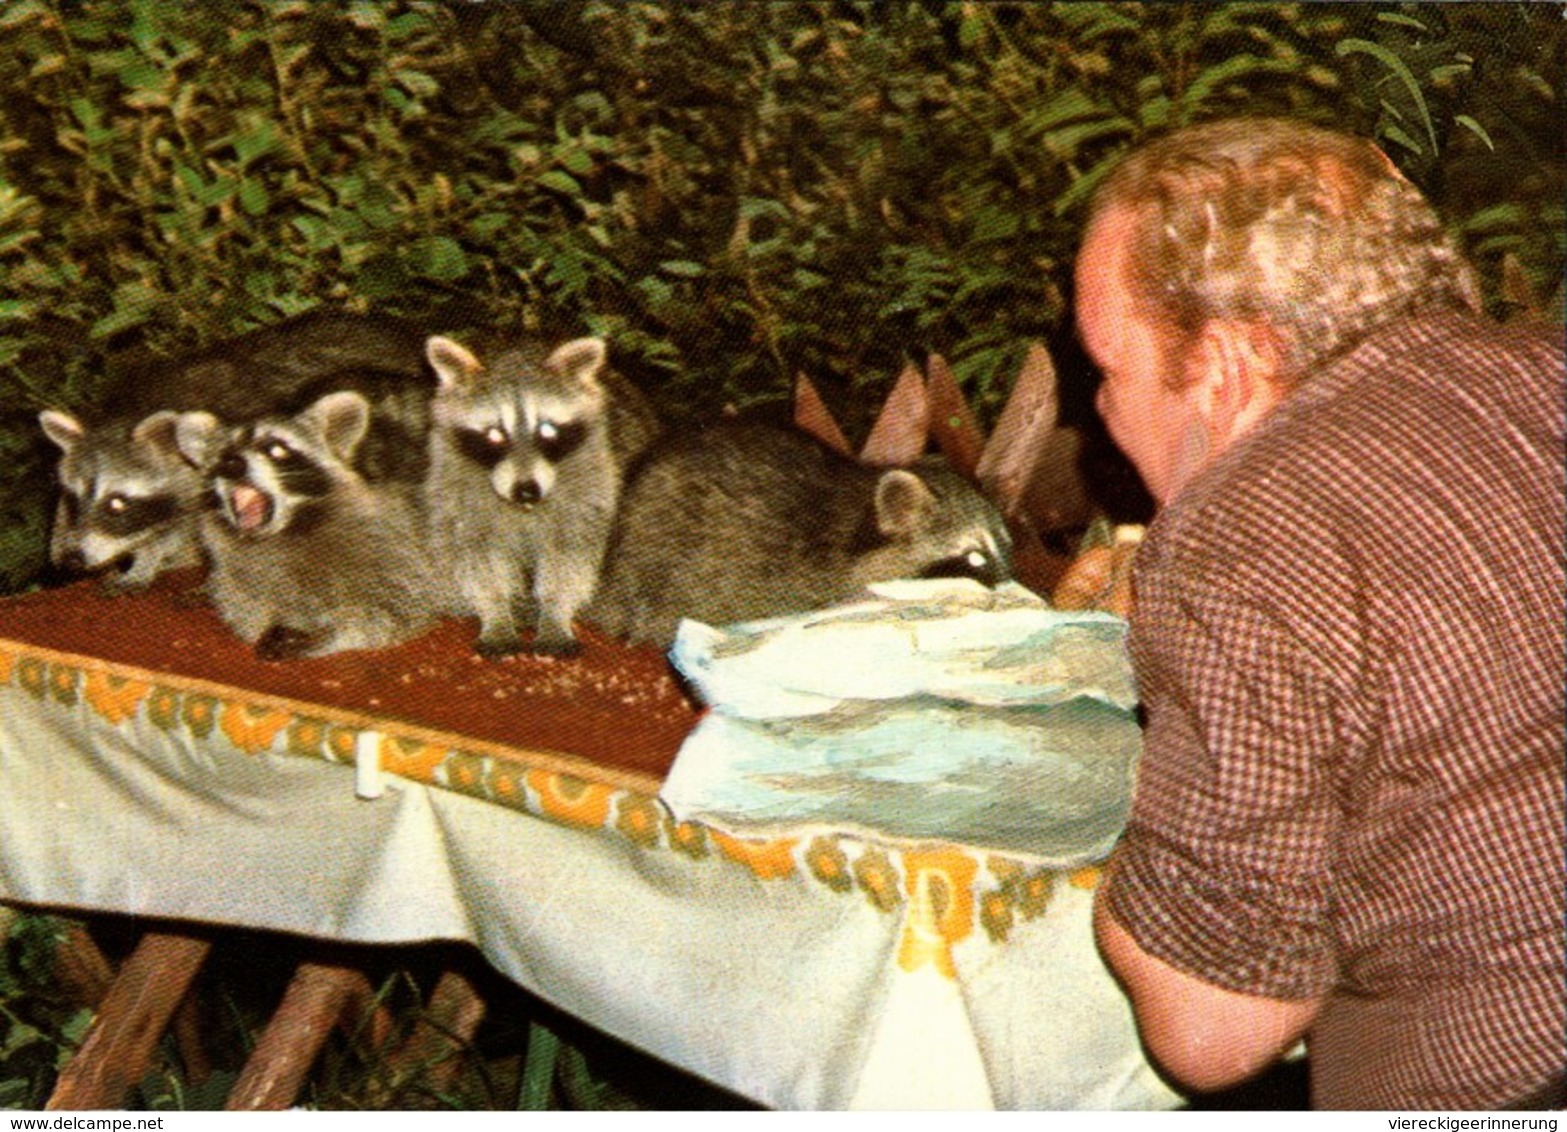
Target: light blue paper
930 711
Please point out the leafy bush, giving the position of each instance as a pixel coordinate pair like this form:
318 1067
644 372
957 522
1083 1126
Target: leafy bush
731 192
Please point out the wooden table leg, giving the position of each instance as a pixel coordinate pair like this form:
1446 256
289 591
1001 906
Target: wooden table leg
186 1028
120 1042
81 967
317 997
432 1053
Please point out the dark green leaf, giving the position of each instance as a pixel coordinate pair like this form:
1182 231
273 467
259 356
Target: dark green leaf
1400 69
560 182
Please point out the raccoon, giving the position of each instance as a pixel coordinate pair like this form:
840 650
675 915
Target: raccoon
527 454
128 502
307 557
744 521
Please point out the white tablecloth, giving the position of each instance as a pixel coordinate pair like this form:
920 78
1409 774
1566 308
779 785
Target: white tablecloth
816 972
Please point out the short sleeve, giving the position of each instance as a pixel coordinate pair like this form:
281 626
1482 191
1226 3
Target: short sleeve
1225 869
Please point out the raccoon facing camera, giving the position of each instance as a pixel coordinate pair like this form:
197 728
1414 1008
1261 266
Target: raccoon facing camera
128 505
306 556
527 453
743 521
127 501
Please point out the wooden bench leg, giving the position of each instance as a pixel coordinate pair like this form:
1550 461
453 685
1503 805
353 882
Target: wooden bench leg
136 1009
317 997
431 1054
81 967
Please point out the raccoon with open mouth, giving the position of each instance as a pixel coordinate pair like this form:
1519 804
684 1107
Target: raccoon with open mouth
742 521
306 557
527 453
129 501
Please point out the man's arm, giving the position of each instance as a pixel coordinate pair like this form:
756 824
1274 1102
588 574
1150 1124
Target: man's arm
1202 1035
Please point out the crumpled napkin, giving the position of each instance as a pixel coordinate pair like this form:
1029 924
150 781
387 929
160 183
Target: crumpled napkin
930 710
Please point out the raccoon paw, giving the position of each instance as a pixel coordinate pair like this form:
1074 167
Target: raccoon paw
282 643
120 577
498 648
556 646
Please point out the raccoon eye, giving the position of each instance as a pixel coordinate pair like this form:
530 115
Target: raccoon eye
126 516
557 441
975 564
278 451
485 447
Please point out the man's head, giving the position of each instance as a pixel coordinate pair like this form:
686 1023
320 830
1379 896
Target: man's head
1226 261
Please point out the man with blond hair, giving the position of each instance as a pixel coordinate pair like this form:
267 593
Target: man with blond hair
1347 632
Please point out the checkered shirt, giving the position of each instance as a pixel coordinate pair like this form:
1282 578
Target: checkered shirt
1349 642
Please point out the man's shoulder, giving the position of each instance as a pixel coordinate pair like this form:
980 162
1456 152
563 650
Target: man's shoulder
1362 439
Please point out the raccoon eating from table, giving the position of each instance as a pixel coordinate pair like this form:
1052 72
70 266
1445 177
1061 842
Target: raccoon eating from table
128 503
527 453
744 521
307 557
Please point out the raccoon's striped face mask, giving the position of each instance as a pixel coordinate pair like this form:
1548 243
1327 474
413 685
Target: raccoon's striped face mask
119 514
103 530
554 441
122 491
522 471
980 564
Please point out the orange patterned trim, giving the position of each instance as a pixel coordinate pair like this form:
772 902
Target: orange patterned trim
1086 878
115 698
251 729
769 860
64 683
570 799
940 886
947 895
411 759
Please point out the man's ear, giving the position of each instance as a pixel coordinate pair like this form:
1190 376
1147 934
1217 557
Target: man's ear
1237 369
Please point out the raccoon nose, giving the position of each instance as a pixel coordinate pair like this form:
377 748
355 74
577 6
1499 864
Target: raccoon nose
526 493
230 466
74 562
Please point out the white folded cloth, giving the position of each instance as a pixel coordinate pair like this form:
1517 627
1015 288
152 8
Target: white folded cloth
931 710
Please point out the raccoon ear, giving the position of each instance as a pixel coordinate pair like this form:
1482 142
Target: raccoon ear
62 428
903 501
198 437
581 358
159 432
342 419
452 362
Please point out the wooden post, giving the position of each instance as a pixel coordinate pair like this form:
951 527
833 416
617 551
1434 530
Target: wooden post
432 1053
317 997
902 428
118 1049
812 415
953 425
81 967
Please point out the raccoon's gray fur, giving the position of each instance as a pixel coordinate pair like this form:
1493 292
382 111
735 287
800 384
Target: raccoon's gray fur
527 453
306 557
744 521
128 500
127 506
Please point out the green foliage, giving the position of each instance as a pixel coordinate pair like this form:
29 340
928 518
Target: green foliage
39 1029
524 1054
732 192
